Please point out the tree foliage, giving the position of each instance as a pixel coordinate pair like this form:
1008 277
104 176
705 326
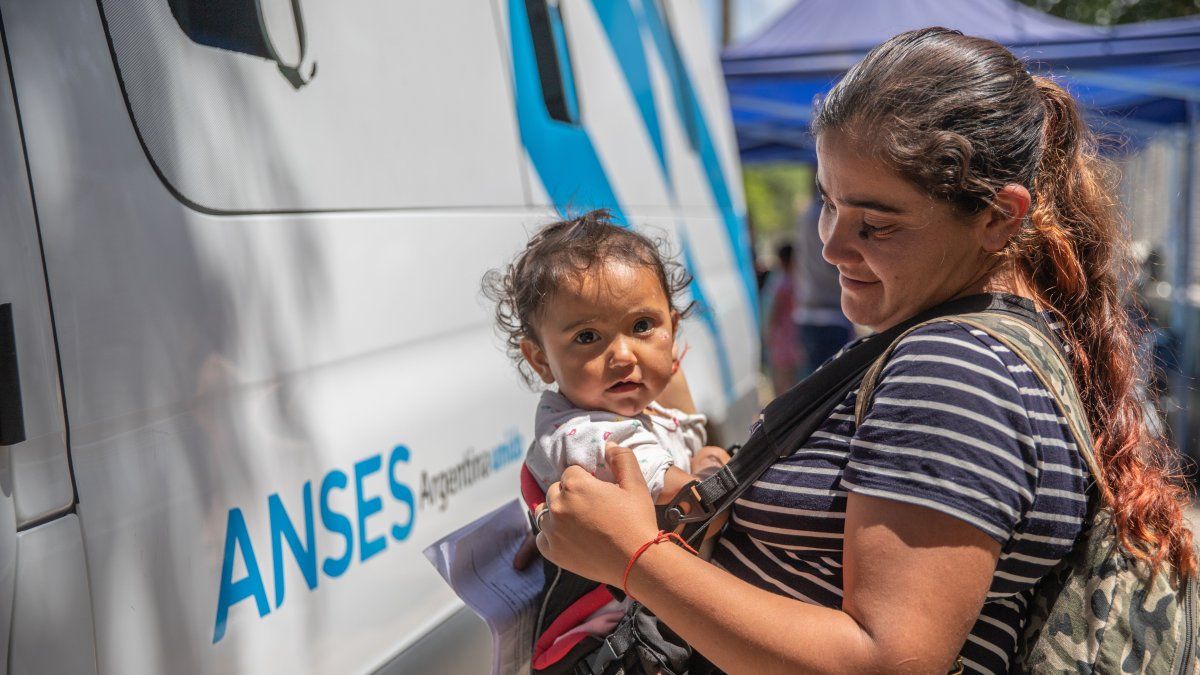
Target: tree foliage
773 194
1109 12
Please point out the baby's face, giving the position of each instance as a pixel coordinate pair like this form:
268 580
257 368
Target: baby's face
607 339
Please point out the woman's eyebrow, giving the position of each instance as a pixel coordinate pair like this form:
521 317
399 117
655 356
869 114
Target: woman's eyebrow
864 202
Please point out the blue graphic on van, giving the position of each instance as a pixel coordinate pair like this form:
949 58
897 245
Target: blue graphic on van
361 526
624 34
688 106
706 314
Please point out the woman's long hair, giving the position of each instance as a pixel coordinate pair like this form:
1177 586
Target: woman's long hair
961 118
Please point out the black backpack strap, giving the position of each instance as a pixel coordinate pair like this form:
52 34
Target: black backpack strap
787 422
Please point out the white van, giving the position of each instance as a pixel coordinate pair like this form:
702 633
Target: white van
246 373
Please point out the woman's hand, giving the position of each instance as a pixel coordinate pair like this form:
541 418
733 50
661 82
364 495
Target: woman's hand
709 460
593 527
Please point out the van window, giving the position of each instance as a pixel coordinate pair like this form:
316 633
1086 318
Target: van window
224 24
553 59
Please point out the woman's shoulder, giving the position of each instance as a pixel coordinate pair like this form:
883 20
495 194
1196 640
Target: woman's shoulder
950 349
958 420
951 333
960 378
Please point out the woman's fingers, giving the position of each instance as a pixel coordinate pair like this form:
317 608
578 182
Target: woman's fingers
526 553
553 494
625 468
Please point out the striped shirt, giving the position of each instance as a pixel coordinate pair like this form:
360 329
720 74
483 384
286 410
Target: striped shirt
958 425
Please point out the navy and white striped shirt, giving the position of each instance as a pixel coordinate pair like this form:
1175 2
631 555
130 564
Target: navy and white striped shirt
958 425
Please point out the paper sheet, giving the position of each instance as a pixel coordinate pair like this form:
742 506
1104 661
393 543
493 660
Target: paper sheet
476 561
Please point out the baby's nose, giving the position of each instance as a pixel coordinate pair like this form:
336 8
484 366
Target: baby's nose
621 354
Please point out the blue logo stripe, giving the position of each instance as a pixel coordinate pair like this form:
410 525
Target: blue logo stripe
625 35
689 109
705 313
562 154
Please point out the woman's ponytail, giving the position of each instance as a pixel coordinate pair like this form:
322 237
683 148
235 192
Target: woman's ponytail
1074 252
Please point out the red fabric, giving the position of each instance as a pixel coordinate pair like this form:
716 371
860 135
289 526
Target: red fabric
546 651
531 492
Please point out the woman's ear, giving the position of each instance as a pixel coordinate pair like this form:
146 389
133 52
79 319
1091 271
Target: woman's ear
535 356
1005 217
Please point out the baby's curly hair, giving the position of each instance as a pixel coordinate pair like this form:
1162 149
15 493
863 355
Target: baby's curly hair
563 251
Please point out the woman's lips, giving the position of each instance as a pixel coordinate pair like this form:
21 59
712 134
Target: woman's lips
854 284
623 387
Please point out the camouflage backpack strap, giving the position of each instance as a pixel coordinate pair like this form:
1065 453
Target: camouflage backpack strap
866 389
1050 366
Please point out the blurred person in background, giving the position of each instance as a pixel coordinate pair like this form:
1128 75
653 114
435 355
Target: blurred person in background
781 349
821 327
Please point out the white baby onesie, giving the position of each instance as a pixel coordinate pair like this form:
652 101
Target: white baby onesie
565 435
568 436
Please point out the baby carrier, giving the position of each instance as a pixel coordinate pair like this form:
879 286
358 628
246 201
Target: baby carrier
642 644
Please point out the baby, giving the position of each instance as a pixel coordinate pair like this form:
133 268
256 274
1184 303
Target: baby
592 308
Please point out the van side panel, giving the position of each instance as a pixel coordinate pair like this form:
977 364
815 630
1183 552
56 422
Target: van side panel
229 133
52 631
272 415
39 464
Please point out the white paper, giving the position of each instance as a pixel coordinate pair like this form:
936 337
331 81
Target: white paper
476 561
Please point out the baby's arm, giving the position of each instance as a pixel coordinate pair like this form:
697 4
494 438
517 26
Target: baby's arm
580 441
707 461
673 481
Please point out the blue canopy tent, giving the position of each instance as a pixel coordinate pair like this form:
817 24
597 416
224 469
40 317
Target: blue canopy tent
1142 77
1140 74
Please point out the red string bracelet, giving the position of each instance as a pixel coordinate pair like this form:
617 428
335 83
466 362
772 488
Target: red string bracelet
658 539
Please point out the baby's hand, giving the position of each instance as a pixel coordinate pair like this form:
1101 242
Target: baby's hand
708 460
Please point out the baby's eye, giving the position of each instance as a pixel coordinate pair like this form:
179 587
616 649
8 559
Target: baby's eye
642 326
587 337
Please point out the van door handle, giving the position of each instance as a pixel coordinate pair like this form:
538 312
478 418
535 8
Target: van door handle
12 415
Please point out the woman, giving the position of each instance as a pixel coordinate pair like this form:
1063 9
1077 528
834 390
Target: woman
946 170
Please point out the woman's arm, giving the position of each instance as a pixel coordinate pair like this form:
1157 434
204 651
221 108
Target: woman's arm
914 582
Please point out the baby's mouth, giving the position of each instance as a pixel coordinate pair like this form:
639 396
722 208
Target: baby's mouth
624 386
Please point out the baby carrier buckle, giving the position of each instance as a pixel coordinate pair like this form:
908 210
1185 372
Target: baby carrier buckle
698 500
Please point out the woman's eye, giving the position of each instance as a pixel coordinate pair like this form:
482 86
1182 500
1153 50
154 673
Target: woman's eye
868 230
587 337
642 326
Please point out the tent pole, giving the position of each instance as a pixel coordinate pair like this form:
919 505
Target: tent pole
1183 312
726 22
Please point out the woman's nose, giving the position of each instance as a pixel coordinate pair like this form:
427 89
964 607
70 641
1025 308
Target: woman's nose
840 238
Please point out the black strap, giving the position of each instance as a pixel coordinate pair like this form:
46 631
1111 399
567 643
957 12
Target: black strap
787 422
